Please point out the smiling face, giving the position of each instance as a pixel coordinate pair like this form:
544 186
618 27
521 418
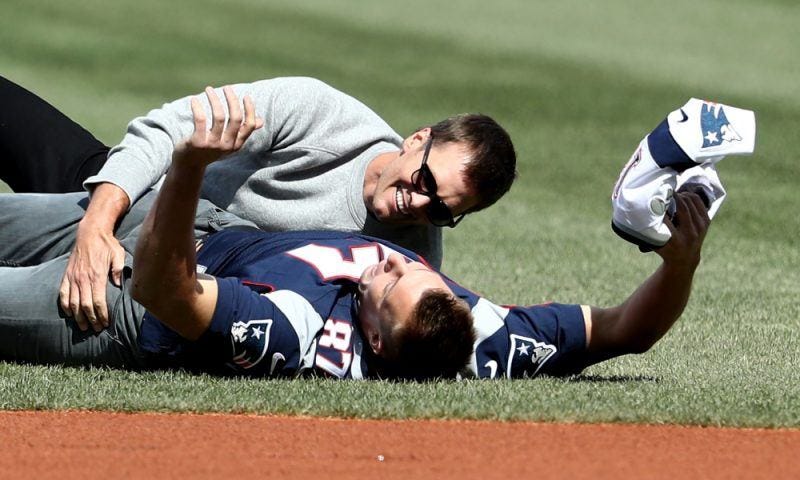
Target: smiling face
393 199
389 292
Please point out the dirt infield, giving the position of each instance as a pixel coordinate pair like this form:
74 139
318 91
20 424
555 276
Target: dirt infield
86 445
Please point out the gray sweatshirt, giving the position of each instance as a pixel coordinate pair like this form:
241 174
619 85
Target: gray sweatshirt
304 170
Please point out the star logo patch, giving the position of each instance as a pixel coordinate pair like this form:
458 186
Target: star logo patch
250 341
716 128
526 356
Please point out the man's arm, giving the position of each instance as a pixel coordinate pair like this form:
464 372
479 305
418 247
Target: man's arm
97 253
83 287
647 315
134 166
165 281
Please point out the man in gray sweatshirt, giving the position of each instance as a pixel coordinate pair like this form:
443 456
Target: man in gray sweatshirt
321 160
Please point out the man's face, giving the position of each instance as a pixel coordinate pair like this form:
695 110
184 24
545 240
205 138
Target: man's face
397 201
389 292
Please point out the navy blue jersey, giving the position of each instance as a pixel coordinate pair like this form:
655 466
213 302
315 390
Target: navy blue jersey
287 305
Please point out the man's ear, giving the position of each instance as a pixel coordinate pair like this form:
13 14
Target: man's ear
375 341
416 139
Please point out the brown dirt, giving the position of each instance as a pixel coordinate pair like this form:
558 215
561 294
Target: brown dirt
86 445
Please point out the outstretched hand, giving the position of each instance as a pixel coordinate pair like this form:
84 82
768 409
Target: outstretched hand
688 230
207 145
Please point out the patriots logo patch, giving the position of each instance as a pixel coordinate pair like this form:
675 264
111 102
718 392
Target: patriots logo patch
526 356
249 341
715 126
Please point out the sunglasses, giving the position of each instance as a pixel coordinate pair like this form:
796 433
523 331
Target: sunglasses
437 211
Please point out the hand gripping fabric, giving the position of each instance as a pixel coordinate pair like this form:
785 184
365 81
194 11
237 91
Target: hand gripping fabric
682 151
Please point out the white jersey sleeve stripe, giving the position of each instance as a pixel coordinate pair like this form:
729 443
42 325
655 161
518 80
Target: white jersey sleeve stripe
303 318
489 318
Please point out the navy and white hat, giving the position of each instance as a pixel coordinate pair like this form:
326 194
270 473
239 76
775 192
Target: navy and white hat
684 149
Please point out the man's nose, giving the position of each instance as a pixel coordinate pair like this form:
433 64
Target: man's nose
396 264
419 201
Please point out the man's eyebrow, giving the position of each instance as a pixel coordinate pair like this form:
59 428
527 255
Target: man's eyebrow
389 287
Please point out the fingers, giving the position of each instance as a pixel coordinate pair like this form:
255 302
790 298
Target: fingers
85 301
73 297
75 307
199 116
93 302
234 117
95 305
671 226
694 212
117 264
699 207
250 124
217 116
69 300
239 126
691 214
687 230
229 129
82 292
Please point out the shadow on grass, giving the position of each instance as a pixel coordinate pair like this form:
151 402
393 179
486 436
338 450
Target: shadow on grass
614 379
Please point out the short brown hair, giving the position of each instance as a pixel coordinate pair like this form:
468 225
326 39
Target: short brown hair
492 167
436 341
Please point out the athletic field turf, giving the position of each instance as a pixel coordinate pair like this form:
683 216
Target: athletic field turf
577 84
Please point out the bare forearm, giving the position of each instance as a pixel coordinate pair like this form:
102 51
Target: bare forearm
107 205
640 321
165 254
654 307
164 273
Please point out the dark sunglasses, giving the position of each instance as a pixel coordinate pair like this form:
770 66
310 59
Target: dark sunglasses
437 211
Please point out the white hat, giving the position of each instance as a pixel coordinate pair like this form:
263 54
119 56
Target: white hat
683 149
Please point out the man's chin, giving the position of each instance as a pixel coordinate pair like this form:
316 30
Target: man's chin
382 214
405 221
393 218
392 215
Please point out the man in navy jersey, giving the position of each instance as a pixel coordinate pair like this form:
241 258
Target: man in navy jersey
278 304
269 309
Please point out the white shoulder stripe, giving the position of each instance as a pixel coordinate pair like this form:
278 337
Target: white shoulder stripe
304 319
488 319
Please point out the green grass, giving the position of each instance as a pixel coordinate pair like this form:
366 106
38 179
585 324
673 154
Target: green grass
577 85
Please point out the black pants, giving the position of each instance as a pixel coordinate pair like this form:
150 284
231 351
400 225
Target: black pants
41 149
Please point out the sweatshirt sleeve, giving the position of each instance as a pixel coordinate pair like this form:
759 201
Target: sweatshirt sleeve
145 152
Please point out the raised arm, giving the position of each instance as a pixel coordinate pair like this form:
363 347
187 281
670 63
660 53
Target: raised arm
165 281
133 166
640 321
